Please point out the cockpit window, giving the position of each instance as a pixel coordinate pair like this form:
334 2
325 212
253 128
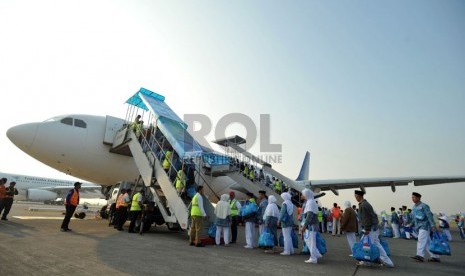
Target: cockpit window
67 121
80 123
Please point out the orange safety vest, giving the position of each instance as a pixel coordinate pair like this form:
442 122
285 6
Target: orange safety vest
336 213
299 212
74 200
119 201
2 191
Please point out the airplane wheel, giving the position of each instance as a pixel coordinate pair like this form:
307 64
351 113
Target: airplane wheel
173 226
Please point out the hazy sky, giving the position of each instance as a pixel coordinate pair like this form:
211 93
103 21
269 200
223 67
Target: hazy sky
370 88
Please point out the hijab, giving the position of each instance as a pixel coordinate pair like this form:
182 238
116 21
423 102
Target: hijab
271 209
287 201
310 204
222 209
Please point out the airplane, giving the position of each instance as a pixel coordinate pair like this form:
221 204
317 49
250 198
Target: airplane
36 188
79 145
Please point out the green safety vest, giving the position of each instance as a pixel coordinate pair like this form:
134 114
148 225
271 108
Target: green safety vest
320 216
246 170
195 210
233 206
166 161
135 205
180 180
278 185
252 174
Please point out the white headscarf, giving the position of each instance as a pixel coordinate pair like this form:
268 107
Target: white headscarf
287 201
347 204
310 204
222 209
271 209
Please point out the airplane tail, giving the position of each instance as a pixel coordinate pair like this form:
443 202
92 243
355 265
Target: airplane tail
305 169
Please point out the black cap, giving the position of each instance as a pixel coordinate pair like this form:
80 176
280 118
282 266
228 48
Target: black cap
416 194
77 183
360 193
12 183
262 192
249 194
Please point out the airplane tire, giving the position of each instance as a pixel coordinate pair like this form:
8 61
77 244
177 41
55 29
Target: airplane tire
173 226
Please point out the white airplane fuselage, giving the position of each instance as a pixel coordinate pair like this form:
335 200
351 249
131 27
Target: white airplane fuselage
75 150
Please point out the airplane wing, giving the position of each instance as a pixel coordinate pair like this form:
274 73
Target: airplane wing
334 185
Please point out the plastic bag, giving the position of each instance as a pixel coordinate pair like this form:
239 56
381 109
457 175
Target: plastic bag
385 246
249 210
320 243
364 250
212 231
439 244
387 232
266 239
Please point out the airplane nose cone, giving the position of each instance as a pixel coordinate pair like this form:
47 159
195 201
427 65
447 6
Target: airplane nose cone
22 135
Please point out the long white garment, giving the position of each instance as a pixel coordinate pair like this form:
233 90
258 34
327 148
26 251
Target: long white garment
336 226
310 240
374 236
351 239
407 235
395 230
271 209
225 231
250 234
423 244
288 247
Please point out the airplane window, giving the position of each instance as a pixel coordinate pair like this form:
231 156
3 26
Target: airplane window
67 121
80 123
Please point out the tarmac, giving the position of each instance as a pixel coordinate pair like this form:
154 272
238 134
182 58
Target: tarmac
31 244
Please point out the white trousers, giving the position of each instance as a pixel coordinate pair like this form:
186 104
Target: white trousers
336 226
225 231
423 244
250 238
395 230
351 239
288 247
374 236
310 240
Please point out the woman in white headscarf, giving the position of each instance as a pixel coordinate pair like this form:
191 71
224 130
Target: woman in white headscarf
444 225
349 224
223 219
310 225
287 223
271 219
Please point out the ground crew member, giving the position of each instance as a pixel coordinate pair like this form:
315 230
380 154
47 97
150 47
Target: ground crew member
7 201
197 215
123 209
135 123
181 180
424 222
320 219
118 204
235 208
2 191
246 170
167 160
277 186
136 209
71 202
369 222
252 174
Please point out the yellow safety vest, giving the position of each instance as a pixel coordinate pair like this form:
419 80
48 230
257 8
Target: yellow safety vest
278 185
195 210
252 174
246 170
135 205
166 161
180 180
233 206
